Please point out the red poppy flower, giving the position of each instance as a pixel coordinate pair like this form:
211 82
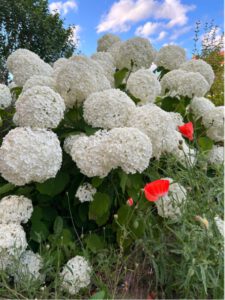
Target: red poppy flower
156 189
130 202
187 130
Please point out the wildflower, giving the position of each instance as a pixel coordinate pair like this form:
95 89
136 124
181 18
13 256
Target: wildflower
130 202
202 221
187 130
156 189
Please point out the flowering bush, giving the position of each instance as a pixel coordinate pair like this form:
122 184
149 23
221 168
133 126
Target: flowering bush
89 152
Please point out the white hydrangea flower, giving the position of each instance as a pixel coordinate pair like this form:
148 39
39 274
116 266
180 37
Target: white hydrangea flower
85 192
106 41
41 81
28 155
158 125
97 155
5 96
12 243
170 206
12 85
200 66
39 107
182 83
107 63
70 140
200 105
78 78
91 156
108 109
137 49
177 118
129 149
28 267
59 62
213 120
144 85
24 64
114 50
76 274
220 225
216 155
15 209
170 57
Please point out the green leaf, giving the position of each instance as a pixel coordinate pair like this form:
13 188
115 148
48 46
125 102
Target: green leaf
58 225
67 237
99 206
96 181
98 295
205 143
119 77
54 186
124 213
39 232
169 103
95 242
123 181
16 91
203 278
7 188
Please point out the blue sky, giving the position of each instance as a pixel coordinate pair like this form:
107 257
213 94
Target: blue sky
161 21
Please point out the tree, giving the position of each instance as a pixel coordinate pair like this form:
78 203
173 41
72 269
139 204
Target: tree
29 24
208 45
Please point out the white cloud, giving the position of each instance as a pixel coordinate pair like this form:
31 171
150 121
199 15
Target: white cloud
213 38
63 7
148 29
162 35
75 37
179 32
124 13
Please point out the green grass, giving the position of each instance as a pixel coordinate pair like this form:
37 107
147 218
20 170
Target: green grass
174 260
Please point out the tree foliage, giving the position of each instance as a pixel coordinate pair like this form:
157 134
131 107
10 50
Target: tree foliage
29 24
208 45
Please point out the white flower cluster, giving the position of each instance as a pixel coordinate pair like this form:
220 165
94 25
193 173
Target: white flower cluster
28 155
137 50
85 192
78 78
41 81
5 96
108 109
15 209
144 85
39 107
170 57
182 83
213 120
24 64
69 141
114 50
200 105
107 63
106 41
76 274
127 148
220 225
158 125
171 205
199 66
216 155
12 243
59 62
28 267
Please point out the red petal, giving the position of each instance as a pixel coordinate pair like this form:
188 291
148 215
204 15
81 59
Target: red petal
156 189
130 202
187 130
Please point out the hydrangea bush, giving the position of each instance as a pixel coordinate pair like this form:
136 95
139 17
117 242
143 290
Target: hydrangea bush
80 141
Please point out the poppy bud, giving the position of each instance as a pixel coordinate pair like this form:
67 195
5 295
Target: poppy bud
130 202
